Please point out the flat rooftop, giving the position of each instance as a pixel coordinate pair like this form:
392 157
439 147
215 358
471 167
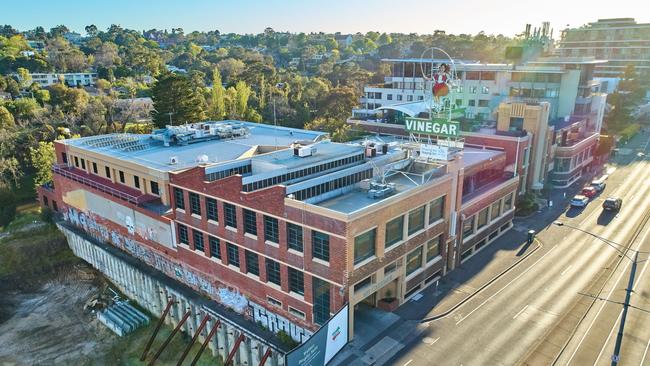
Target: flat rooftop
153 154
357 198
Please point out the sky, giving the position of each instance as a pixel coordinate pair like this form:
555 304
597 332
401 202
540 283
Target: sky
507 17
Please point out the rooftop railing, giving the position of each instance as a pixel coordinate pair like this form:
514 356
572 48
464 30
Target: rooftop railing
124 193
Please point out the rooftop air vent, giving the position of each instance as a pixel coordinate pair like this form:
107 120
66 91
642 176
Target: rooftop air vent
173 160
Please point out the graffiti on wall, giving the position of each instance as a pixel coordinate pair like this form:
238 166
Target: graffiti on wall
276 323
226 296
87 222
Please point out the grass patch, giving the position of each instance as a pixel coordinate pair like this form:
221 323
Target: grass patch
128 349
30 257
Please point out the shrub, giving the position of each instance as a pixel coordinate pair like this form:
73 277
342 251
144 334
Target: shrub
7 207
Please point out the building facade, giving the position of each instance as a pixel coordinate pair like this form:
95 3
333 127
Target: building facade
482 87
502 104
620 41
70 79
278 223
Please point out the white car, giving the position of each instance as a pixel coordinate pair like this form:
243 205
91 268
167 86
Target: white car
579 201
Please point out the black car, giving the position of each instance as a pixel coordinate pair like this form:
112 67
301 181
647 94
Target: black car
612 204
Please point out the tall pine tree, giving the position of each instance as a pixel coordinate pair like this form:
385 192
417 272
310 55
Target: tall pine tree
173 93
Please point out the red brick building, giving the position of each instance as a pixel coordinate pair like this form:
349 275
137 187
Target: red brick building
281 224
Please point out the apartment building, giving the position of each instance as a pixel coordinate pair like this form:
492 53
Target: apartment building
70 79
512 107
482 87
620 41
283 221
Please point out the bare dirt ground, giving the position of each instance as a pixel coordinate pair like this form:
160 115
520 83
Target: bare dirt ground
50 327
43 290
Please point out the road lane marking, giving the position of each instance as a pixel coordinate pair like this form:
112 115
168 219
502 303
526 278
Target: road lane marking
506 286
408 362
645 352
520 311
566 269
602 306
434 341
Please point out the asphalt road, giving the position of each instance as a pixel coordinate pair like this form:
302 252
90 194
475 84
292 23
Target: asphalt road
525 316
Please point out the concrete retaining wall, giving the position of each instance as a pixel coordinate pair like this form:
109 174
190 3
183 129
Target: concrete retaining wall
152 294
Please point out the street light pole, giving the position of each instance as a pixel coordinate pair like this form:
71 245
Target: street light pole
628 291
619 337
605 240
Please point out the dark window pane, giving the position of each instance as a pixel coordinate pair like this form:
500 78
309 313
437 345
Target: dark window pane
179 199
198 240
273 272
320 245
414 261
183 236
364 246
195 203
321 294
252 263
215 247
233 254
434 248
436 209
271 230
211 207
294 237
296 281
154 188
416 220
394 231
250 222
231 214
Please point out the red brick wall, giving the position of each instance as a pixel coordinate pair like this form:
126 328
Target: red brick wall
270 201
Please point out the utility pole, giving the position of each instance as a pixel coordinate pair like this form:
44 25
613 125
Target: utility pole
275 121
626 305
170 117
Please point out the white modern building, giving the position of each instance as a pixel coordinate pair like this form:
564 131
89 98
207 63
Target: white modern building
566 83
70 79
621 41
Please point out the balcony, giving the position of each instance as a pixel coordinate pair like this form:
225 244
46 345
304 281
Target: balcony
104 185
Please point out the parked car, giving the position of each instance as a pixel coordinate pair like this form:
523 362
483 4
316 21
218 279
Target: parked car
599 184
579 201
612 204
590 192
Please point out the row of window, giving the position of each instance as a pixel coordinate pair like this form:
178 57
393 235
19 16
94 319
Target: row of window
302 173
252 263
365 244
295 277
320 241
419 258
332 185
480 220
81 163
243 170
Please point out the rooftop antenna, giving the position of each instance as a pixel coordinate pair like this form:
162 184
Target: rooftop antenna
170 117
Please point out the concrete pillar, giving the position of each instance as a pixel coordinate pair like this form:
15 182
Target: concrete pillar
245 352
256 350
223 340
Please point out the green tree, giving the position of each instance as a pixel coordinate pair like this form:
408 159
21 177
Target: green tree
217 101
243 94
174 94
339 103
42 158
6 118
24 77
337 129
